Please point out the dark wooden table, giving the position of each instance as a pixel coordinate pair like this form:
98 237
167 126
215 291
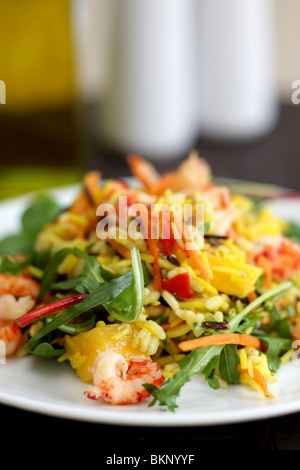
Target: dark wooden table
54 139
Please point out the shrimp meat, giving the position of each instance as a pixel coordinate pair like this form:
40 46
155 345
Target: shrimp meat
281 254
120 382
18 285
11 336
18 295
192 174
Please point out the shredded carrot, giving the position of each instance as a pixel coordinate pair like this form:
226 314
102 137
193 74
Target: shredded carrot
192 252
91 182
80 231
224 338
198 263
259 379
173 346
167 326
252 296
143 170
121 249
154 251
57 340
266 266
282 302
82 204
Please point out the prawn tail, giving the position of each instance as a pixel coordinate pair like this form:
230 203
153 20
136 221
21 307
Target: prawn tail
93 392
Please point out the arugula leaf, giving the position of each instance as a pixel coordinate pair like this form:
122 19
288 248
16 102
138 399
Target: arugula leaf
47 350
125 290
41 211
274 318
275 344
51 270
247 322
16 243
278 290
283 328
259 284
275 347
88 321
94 273
67 284
37 258
192 363
128 305
228 365
210 373
9 266
104 293
277 325
40 258
93 269
293 231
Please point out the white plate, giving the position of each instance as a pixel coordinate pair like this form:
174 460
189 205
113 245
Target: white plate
45 386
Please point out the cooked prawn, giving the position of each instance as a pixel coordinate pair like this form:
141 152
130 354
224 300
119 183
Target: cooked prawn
11 336
278 256
12 308
192 174
120 382
143 170
18 285
17 296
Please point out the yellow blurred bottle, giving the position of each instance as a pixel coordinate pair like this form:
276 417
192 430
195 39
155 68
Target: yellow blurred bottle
36 60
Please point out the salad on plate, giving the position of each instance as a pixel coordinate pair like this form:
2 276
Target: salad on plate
139 286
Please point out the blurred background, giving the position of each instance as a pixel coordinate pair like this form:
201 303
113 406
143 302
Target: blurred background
88 81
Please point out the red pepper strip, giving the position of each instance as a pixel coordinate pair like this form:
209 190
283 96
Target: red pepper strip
168 246
179 285
166 237
47 309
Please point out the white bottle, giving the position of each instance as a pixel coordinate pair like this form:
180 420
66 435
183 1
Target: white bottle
91 27
149 104
237 89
